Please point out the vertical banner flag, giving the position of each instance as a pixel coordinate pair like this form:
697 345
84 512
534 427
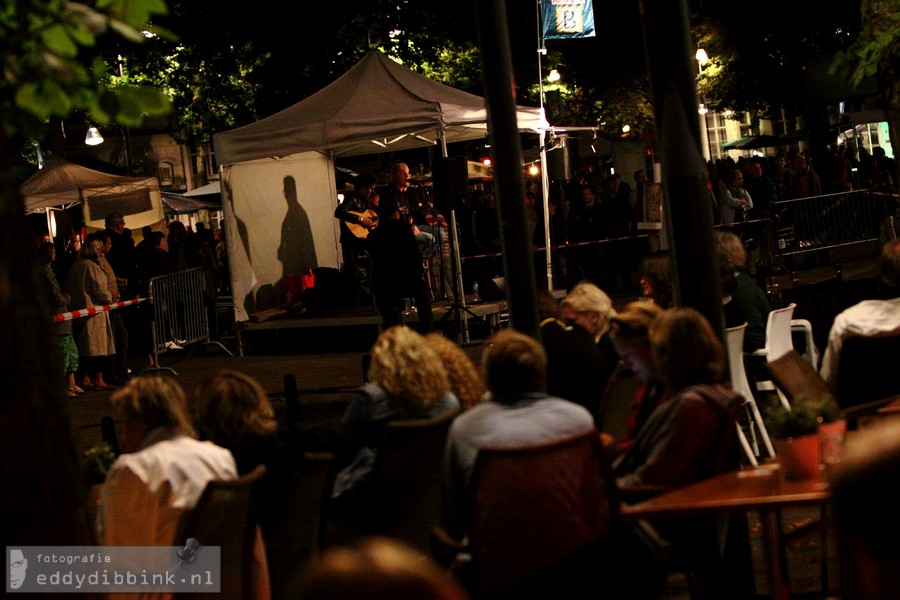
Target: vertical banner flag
567 19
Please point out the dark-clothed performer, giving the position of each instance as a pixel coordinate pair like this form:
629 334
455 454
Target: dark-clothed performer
397 269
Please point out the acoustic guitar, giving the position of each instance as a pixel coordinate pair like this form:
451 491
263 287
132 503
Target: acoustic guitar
357 229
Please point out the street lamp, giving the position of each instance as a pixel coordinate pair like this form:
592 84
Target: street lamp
553 76
95 138
701 57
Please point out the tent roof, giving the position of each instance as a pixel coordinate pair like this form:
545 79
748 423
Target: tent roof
179 204
61 182
377 105
210 189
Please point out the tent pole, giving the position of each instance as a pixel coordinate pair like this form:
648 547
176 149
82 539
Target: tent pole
545 188
518 259
688 219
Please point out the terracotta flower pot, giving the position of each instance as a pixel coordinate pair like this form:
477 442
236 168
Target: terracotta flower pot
799 456
831 441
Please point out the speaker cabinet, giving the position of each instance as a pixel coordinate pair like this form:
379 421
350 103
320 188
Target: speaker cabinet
451 183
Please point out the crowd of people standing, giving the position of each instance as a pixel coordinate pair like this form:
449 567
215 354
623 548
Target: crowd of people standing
107 267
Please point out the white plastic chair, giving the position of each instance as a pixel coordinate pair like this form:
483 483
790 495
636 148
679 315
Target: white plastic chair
811 353
778 343
734 337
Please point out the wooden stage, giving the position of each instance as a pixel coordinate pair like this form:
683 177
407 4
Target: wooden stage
493 314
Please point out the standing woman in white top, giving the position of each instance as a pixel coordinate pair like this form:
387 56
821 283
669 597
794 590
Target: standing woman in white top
734 200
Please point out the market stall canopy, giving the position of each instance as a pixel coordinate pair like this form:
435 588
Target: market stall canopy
178 204
210 189
754 142
376 106
61 183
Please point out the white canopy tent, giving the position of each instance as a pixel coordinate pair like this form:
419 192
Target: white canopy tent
62 184
377 106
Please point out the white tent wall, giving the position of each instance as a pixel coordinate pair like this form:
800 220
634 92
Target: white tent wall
279 220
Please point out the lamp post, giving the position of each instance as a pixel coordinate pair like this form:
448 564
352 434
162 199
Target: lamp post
702 110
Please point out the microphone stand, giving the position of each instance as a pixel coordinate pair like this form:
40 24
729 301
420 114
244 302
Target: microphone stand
437 225
458 307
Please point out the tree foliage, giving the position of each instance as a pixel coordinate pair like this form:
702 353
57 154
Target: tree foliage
48 53
875 51
49 71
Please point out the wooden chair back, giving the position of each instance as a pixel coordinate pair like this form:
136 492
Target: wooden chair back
406 479
224 516
292 502
535 507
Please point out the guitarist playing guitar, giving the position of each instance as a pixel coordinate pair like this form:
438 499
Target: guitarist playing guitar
357 213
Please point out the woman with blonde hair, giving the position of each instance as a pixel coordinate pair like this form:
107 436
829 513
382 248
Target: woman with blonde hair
164 470
589 307
407 380
233 411
465 377
87 286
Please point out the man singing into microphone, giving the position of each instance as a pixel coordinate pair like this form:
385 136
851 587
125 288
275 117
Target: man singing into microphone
410 199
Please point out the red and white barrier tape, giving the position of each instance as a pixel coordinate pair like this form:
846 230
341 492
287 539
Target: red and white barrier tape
93 310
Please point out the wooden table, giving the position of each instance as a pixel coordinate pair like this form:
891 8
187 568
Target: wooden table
761 489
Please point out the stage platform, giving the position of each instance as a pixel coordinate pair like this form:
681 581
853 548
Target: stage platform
493 314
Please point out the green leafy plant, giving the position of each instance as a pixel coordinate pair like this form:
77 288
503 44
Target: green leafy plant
97 461
802 419
827 409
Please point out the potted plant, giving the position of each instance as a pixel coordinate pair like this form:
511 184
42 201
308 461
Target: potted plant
794 432
832 429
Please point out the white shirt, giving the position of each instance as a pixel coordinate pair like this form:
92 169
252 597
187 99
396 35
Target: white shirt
147 492
869 318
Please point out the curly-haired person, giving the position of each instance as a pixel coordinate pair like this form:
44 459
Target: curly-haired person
407 380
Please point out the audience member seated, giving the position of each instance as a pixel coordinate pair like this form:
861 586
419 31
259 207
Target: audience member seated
687 438
234 412
577 369
869 318
588 306
630 337
406 381
690 436
377 568
518 412
749 300
163 469
466 381
656 278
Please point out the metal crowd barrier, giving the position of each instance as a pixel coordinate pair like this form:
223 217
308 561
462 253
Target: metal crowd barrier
829 221
180 316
